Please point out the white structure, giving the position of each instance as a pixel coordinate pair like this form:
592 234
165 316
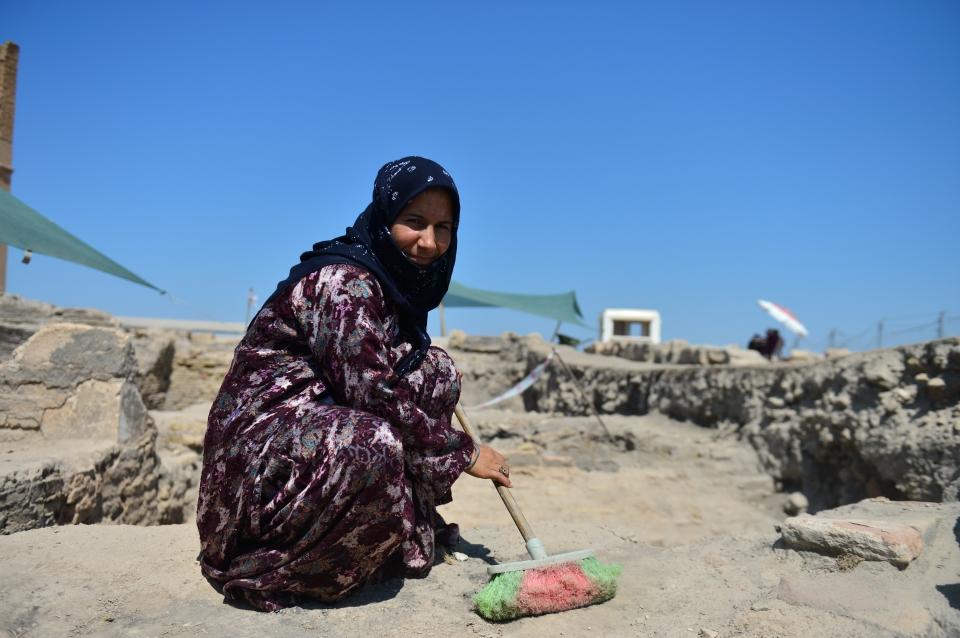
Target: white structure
630 324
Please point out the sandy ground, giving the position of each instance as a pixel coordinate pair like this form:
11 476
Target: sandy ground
686 513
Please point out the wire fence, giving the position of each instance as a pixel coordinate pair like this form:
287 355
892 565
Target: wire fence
891 329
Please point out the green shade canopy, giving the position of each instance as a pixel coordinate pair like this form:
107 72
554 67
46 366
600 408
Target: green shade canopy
562 307
25 228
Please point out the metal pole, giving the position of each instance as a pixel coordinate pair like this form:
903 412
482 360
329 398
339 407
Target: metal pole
443 322
9 56
880 334
251 299
556 331
941 320
832 338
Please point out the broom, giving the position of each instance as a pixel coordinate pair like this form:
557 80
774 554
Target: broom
544 584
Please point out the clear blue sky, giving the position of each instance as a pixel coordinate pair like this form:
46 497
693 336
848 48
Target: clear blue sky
685 156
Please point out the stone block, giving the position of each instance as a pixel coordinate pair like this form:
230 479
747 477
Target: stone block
154 351
877 540
72 381
45 483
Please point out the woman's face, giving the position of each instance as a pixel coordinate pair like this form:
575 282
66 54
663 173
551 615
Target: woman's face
423 229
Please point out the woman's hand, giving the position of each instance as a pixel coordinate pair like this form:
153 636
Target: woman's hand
491 465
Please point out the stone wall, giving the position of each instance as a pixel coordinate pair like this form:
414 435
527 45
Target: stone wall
77 441
877 423
676 351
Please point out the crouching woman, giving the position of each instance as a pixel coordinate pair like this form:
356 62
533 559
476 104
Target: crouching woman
330 443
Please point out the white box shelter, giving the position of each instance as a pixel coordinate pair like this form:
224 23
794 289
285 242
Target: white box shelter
630 324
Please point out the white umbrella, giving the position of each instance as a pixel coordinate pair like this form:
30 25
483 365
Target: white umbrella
784 316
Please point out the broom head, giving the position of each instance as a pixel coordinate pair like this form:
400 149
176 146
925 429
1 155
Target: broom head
548 589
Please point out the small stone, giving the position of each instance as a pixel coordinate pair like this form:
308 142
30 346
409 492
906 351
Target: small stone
937 388
775 402
708 633
905 394
795 504
840 402
922 378
879 373
761 605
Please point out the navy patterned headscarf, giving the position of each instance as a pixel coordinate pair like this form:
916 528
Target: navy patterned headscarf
414 290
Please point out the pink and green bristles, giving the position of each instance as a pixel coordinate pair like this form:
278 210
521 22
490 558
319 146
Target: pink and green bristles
546 590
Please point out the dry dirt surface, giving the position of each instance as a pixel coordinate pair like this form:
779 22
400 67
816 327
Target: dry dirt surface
686 512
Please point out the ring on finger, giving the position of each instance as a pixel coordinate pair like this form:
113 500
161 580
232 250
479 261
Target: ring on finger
505 470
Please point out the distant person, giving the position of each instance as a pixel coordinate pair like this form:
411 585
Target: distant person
769 345
330 443
774 344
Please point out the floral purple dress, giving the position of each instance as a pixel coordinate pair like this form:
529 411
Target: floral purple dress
317 474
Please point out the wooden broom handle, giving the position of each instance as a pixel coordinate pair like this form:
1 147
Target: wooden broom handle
525 530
